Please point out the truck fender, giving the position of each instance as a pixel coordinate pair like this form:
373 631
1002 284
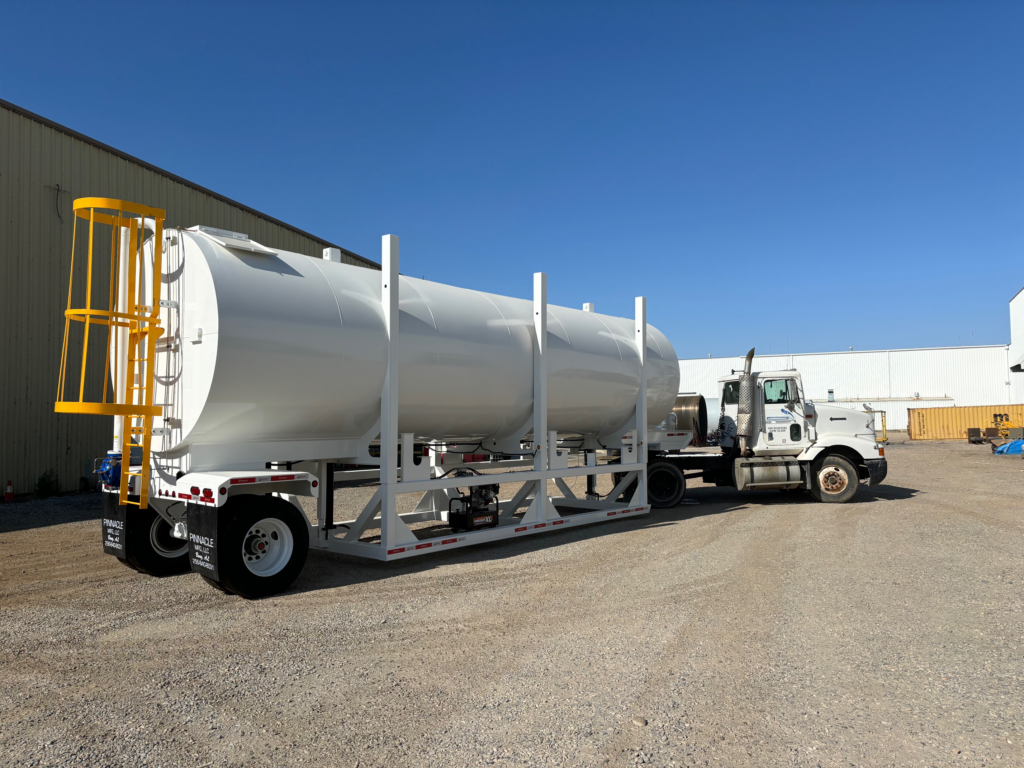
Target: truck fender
825 447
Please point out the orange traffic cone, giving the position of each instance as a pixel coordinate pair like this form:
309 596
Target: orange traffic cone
9 493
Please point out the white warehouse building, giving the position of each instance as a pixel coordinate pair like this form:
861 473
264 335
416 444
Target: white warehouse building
890 380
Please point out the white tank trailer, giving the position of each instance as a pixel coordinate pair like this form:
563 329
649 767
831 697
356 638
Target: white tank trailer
271 376
247 383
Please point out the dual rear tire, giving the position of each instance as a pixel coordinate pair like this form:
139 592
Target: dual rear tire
150 547
263 545
666 484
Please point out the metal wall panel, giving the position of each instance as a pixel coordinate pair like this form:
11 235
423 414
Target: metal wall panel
1017 334
889 380
43 168
953 423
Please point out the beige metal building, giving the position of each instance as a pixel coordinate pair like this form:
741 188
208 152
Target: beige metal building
43 168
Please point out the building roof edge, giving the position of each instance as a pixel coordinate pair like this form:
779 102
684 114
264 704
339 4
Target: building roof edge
174 177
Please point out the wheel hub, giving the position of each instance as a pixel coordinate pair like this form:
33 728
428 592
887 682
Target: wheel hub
832 479
267 547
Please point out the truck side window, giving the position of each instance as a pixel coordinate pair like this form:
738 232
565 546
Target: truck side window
731 393
779 391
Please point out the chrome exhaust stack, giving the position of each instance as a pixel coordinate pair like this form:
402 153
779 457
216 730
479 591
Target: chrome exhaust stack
745 407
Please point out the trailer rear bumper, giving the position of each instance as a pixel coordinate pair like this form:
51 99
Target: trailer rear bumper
877 470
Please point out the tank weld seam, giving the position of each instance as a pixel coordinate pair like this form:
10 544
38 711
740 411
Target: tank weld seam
433 320
341 318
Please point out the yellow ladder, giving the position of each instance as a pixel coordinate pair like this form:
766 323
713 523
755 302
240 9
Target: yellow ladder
131 396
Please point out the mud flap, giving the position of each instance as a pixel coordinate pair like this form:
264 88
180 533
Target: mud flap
203 535
115 527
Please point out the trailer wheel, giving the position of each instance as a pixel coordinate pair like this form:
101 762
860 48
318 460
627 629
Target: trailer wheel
263 547
835 480
150 547
666 484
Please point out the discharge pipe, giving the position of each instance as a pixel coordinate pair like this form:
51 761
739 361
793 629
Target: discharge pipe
745 407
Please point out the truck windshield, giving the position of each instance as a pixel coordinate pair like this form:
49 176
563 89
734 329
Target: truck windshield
731 393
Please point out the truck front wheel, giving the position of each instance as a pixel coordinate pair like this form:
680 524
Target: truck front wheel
835 480
263 546
666 484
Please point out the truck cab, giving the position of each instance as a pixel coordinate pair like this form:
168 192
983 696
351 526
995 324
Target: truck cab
790 444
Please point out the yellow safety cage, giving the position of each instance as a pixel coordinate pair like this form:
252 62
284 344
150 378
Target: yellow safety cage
132 321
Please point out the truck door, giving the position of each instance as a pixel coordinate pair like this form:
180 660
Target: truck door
783 430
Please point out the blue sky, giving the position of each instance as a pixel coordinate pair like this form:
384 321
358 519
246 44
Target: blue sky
803 176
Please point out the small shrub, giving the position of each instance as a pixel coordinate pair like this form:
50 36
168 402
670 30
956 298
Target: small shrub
47 485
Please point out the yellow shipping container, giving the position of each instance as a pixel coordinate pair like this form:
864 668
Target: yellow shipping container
953 423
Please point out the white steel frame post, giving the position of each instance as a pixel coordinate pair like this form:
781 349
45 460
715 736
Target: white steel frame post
539 508
392 530
640 441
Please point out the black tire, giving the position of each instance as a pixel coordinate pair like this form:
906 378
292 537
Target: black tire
835 480
217 585
150 547
263 546
666 484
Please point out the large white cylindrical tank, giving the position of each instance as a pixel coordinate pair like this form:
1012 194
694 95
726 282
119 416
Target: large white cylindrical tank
279 347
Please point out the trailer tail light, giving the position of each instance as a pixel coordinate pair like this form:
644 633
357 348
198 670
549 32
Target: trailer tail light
314 483
208 493
195 490
223 491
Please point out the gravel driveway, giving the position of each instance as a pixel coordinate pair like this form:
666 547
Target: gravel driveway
746 630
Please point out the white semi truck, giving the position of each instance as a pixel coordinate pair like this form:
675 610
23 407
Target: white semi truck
243 378
772 437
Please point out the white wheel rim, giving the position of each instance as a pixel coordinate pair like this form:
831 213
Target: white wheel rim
832 479
162 542
267 547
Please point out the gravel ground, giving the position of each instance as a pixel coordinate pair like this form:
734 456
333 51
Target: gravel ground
749 629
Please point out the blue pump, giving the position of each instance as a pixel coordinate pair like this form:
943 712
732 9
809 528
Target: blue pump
110 470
